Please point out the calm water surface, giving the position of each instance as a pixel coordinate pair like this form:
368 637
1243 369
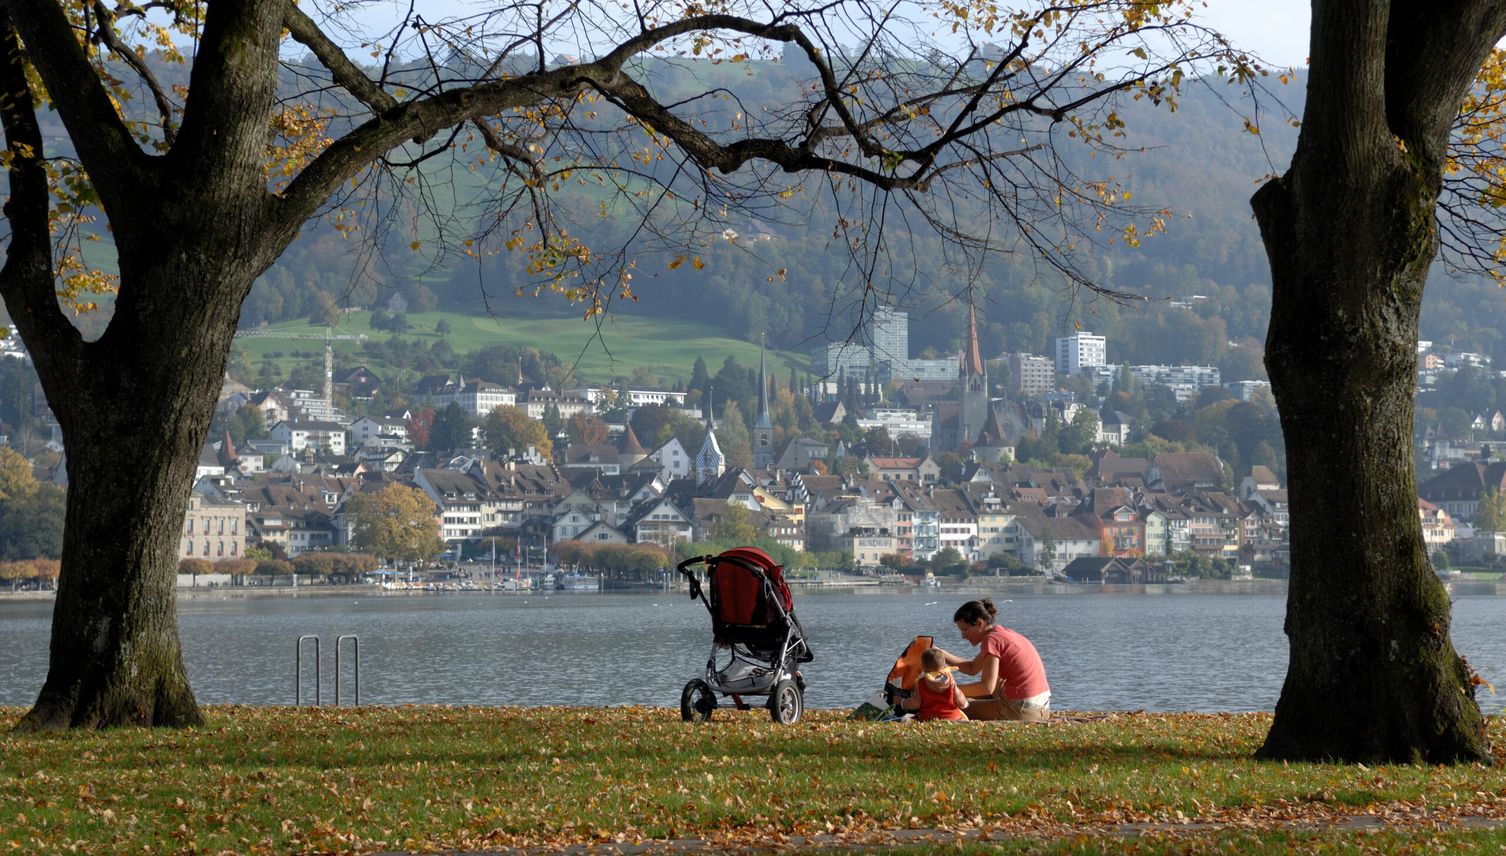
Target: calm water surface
1103 650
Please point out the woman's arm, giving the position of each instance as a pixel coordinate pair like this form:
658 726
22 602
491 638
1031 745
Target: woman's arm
988 678
968 667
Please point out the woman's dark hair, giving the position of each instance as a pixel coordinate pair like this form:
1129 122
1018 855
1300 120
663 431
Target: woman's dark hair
976 610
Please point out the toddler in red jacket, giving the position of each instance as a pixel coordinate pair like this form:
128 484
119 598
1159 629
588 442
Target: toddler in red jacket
936 694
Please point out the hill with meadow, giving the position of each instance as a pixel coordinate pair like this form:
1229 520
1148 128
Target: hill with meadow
780 271
636 350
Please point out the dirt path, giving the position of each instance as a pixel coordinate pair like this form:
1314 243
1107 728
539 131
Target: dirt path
1421 822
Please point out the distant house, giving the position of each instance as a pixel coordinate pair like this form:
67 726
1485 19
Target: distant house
459 497
209 463
1109 570
641 397
475 397
1437 525
1185 472
1260 479
659 521
389 430
603 457
831 413
275 406
1121 530
1458 489
294 512
782 529
383 458
797 453
674 459
213 529
578 512
1049 544
360 383
958 521
296 436
1491 420
868 546
1111 470
903 469
537 402
1115 428
602 533
434 385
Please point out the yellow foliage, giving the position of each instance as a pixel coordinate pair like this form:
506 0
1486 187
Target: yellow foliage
298 135
1476 151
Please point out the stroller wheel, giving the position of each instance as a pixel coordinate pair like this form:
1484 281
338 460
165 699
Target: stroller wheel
697 701
786 703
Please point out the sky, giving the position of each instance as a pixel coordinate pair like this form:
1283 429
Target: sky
1275 30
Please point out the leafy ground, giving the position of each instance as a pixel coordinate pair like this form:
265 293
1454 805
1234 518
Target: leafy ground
315 780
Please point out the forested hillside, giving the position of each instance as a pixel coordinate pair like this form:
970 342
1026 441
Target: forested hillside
800 285
775 275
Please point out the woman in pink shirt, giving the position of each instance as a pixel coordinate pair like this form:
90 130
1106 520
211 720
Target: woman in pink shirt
1011 678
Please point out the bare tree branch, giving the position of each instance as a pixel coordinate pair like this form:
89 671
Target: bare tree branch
99 133
26 279
105 32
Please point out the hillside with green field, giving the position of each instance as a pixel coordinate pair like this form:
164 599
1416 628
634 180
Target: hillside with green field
591 351
781 269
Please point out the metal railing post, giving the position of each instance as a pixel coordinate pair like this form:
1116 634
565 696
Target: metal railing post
298 671
355 650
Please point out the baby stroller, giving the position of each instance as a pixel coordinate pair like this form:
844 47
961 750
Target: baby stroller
753 621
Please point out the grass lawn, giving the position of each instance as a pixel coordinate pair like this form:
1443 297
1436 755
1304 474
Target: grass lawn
281 780
616 347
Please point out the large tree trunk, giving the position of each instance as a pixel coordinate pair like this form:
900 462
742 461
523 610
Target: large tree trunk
115 658
192 231
1350 231
1373 675
133 434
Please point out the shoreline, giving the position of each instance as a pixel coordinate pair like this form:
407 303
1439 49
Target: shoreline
1476 588
863 588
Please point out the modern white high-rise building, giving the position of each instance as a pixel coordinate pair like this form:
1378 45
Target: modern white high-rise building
1079 351
887 354
891 336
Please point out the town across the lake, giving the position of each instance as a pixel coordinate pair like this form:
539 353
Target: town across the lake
889 470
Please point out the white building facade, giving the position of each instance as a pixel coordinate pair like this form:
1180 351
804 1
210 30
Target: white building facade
1079 351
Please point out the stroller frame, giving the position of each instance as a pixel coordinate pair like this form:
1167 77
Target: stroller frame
762 654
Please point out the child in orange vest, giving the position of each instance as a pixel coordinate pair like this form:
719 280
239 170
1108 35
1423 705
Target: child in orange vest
936 695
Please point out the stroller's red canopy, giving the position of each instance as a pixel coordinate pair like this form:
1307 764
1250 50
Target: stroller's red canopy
736 593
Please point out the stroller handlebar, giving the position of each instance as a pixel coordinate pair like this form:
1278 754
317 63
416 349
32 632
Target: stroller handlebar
690 577
684 567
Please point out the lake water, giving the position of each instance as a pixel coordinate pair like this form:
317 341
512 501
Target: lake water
1173 651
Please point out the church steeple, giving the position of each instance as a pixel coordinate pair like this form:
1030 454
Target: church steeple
763 425
228 456
972 385
973 359
710 463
